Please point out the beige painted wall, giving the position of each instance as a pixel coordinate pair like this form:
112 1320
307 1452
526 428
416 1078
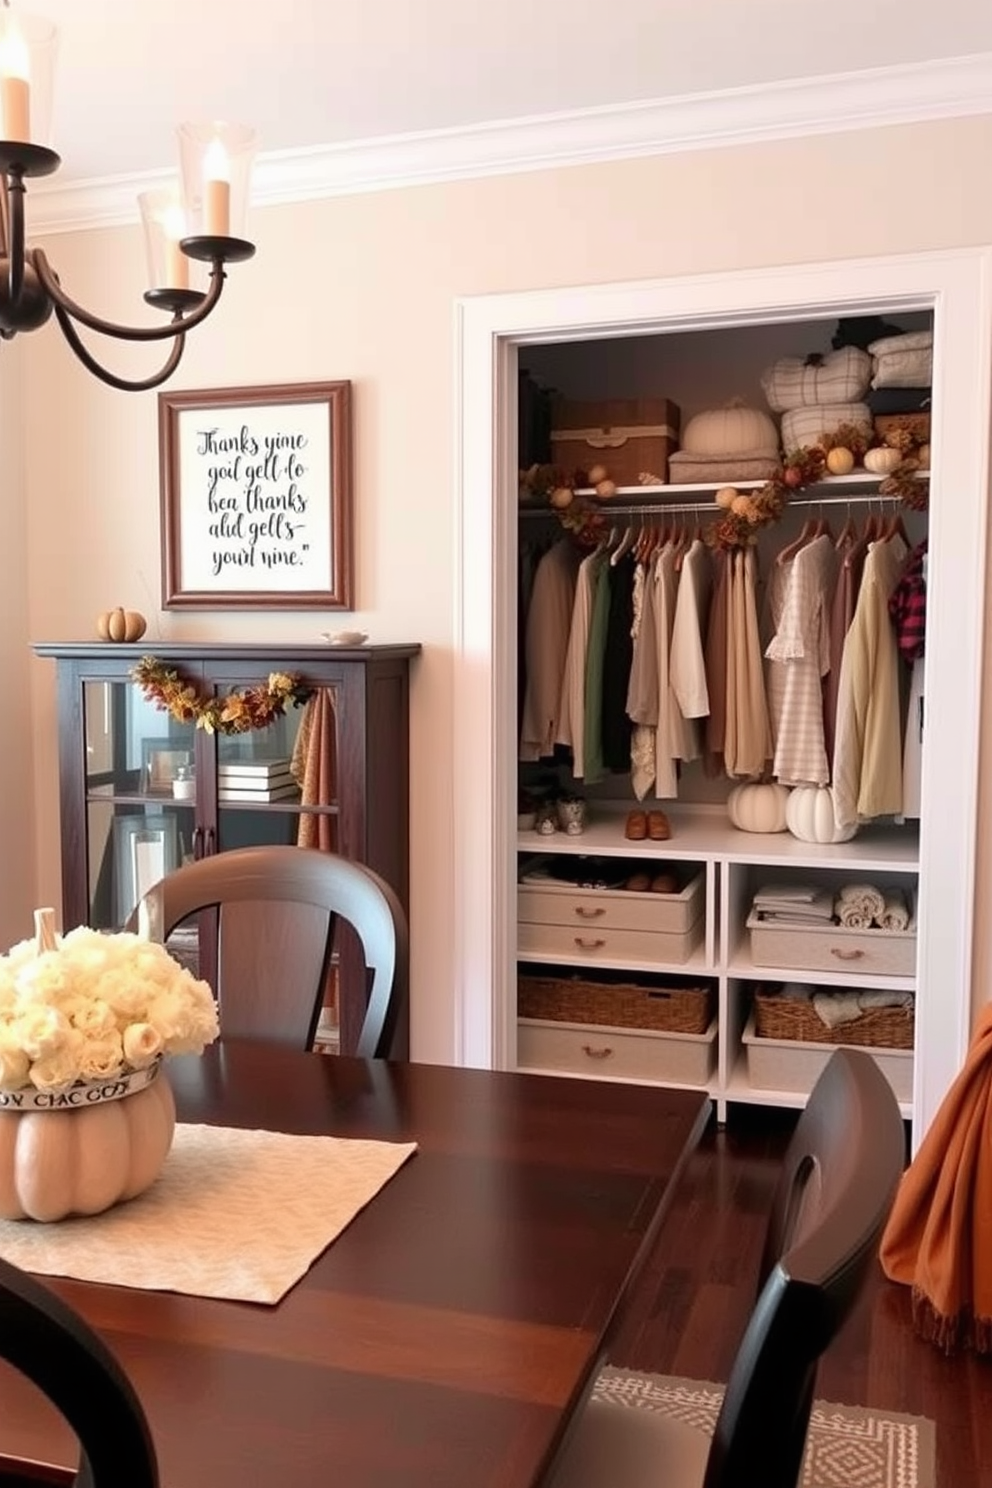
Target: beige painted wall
17 835
364 288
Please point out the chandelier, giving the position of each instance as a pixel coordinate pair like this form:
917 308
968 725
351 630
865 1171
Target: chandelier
196 225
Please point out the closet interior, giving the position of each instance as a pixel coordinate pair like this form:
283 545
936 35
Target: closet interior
721 702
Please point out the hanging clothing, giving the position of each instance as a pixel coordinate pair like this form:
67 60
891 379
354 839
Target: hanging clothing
571 707
867 765
799 656
642 691
843 602
912 748
908 605
549 619
595 658
754 739
676 738
688 663
715 659
617 658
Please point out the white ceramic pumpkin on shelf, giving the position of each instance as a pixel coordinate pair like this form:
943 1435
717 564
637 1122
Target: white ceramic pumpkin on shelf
809 815
882 460
758 806
732 430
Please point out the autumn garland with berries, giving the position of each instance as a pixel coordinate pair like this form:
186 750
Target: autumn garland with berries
236 712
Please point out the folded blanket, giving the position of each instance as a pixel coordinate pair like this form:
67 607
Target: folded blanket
939 1236
895 915
686 469
835 1008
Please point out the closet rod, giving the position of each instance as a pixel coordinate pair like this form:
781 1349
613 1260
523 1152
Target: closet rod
662 509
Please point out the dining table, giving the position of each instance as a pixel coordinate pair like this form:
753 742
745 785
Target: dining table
450 1332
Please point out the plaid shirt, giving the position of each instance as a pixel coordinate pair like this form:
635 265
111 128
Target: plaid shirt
908 605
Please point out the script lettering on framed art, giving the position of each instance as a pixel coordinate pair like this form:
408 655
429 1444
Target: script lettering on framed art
256 499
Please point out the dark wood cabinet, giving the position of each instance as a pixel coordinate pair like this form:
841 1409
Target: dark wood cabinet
141 792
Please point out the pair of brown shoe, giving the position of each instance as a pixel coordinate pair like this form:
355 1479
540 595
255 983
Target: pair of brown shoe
661 883
647 824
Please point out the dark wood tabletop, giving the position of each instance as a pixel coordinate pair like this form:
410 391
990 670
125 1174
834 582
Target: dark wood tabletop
446 1336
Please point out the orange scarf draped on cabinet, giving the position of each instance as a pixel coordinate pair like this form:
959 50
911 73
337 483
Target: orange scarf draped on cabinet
939 1236
314 767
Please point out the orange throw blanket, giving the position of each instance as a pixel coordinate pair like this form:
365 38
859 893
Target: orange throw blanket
939 1236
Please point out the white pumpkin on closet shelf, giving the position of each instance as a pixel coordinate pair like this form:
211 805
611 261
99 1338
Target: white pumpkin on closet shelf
809 815
882 460
758 806
731 430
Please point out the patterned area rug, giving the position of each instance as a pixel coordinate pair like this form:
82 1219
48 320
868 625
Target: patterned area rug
847 1447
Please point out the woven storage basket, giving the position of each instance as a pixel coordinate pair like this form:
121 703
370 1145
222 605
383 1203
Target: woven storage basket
615 1004
777 1017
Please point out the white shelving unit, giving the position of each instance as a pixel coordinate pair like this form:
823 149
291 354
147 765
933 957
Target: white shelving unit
735 862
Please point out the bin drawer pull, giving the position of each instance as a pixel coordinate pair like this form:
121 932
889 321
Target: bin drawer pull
587 912
603 1053
585 944
846 955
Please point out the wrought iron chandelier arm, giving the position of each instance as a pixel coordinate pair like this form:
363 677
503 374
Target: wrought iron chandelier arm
141 385
177 327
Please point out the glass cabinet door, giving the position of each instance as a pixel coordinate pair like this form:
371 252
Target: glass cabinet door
277 785
140 797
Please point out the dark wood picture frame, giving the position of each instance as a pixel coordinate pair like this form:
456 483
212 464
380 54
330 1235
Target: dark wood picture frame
256 497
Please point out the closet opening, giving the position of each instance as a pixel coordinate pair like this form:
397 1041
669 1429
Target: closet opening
700 344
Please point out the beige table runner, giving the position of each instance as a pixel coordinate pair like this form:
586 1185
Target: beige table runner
235 1214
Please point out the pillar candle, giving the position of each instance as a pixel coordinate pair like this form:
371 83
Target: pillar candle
15 101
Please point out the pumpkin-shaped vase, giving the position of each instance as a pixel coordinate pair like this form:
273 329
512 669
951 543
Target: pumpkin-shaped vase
84 1152
809 815
758 806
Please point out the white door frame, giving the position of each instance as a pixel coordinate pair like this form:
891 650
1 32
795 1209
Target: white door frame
489 328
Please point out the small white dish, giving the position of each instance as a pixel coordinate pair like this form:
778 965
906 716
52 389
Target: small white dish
345 637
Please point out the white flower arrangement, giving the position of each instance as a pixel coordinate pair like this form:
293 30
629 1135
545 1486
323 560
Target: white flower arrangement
96 1007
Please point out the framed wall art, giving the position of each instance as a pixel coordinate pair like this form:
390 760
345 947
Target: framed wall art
256 498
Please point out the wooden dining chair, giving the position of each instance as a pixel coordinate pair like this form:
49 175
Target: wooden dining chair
279 910
833 1197
52 1346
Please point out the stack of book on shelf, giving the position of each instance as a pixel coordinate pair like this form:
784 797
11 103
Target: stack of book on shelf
255 780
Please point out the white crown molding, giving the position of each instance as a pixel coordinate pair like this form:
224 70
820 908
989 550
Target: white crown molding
949 88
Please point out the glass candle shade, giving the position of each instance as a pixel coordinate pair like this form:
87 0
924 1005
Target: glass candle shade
215 161
164 222
27 65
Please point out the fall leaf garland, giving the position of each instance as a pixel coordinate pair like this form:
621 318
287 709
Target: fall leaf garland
236 712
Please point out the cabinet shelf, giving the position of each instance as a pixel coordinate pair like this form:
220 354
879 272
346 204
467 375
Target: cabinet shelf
706 832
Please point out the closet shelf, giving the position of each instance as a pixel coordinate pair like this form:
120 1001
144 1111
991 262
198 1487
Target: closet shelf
833 489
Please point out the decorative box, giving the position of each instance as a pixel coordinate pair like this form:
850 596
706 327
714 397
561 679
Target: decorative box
628 436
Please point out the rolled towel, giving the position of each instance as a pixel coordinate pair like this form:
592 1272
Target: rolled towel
870 900
895 915
877 997
835 1008
852 914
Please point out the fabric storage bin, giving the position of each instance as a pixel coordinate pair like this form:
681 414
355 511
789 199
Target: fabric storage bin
804 427
605 1053
688 470
785 1064
614 909
628 436
833 948
903 361
559 998
797 382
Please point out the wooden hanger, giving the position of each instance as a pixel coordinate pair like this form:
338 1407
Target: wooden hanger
848 533
868 534
807 535
895 527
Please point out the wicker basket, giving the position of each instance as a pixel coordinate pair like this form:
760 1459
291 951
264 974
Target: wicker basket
777 1017
564 999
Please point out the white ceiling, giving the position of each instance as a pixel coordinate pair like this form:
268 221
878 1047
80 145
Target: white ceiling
309 74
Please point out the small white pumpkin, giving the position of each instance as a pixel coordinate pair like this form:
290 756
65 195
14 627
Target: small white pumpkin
809 815
882 461
81 1161
758 806
733 430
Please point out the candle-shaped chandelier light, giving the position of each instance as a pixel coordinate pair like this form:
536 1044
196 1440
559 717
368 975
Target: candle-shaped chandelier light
200 223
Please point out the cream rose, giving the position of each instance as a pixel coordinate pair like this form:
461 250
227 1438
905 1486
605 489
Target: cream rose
142 1044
